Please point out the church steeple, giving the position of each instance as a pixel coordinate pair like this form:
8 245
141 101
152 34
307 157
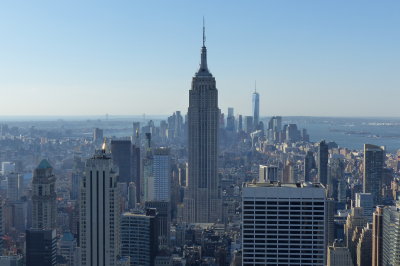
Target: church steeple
203 71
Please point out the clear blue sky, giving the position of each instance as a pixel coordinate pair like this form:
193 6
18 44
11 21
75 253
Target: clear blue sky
321 58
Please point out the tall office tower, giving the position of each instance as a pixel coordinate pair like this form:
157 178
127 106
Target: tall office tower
230 120
377 236
41 247
178 124
365 201
139 237
163 221
99 211
391 236
330 221
322 162
97 135
67 248
147 166
373 168
14 186
338 255
43 197
309 165
355 222
75 181
283 224
268 173
248 122
203 203
135 170
256 109
159 183
292 133
240 123
364 247
122 157
336 177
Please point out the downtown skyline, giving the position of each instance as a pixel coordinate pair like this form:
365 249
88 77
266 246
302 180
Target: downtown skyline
139 59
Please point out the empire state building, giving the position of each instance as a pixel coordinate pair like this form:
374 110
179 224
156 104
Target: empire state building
202 203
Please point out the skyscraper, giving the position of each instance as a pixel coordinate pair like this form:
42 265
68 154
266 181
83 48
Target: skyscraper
44 197
283 224
322 162
373 168
159 183
202 203
99 215
121 151
256 109
309 165
41 238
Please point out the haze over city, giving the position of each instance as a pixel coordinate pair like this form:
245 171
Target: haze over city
73 58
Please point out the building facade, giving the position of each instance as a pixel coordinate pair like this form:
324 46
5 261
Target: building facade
283 224
202 202
99 211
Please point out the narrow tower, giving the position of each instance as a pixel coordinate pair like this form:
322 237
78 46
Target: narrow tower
202 202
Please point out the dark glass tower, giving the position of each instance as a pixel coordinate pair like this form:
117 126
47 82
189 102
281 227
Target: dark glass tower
202 202
373 169
322 162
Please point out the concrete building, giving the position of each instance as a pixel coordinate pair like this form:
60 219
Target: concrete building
338 255
268 173
67 248
43 197
202 202
366 201
121 151
377 222
139 237
99 211
283 224
14 186
159 183
390 236
364 247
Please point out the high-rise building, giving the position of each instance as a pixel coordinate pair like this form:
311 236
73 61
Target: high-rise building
364 247
202 202
99 211
43 197
309 165
248 120
139 237
373 169
97 135
163 221
240 123
391 236
377 236
338 255
159 183
283 224
256 109
67 248
135 171
322 162
354 223
41 247
365 201
14 186
122 157
268 173
230 120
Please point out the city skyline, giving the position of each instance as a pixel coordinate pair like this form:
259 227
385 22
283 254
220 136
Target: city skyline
316 69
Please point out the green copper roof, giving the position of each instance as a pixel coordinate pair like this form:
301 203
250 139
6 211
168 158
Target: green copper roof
44 164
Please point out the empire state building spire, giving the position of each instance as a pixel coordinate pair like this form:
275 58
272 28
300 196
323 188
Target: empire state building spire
203 71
